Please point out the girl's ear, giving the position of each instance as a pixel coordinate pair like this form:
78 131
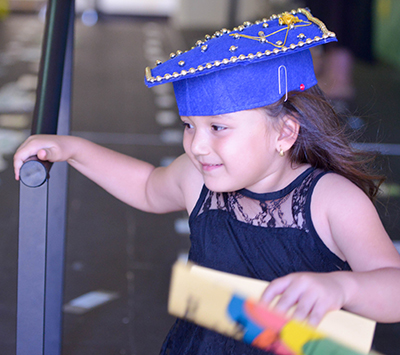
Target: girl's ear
288 133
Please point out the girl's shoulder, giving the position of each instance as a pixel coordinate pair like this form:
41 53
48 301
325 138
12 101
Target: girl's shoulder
335 181
333 189
337 205
339 200
348 223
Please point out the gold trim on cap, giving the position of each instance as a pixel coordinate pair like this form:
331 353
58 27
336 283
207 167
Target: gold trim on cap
285 18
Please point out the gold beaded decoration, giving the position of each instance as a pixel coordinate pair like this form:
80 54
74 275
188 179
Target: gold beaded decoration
289 20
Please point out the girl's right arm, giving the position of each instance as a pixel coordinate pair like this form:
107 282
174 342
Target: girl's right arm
135 182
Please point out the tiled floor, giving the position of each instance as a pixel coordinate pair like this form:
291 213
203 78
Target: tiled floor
110 246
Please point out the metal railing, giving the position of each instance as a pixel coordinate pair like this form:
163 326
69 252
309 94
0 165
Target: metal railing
42 213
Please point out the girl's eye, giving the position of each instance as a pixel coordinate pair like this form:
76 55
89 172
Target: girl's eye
217 128
186 125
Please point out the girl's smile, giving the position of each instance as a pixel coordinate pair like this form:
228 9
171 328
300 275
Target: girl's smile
210 167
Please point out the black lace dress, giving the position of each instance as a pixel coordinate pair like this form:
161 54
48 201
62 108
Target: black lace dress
263 236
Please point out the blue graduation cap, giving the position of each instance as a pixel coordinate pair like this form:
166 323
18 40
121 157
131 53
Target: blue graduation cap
251 66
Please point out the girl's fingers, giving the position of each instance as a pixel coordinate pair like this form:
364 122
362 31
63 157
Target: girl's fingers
316 315
289 293
274 289
311 295
33 146
44 154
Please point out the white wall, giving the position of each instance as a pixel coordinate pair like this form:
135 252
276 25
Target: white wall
214 13
138 7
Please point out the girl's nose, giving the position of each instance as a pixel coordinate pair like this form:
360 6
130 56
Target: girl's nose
200 144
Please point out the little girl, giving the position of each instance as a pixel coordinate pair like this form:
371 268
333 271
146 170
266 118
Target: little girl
272 186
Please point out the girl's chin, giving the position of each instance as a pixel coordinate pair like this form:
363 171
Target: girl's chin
220 186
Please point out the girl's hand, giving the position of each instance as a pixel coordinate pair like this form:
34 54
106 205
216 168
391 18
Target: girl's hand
313 295
46 147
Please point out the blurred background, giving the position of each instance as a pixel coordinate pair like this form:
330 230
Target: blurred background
124 256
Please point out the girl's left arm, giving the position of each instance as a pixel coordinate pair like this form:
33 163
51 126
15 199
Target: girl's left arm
350 226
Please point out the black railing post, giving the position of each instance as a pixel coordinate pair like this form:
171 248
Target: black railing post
56 215
31 270
42 217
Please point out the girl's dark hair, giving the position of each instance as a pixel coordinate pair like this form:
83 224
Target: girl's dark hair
323 140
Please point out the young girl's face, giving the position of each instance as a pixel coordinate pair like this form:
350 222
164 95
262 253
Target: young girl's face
233 151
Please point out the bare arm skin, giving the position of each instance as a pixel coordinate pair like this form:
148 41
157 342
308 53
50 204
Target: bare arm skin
135 182
349 225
